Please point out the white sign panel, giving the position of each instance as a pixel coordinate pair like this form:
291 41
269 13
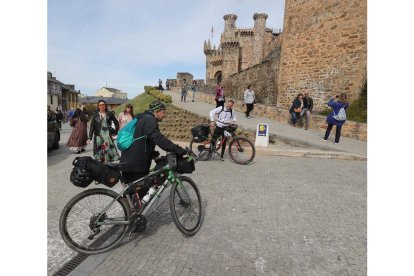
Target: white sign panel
262 135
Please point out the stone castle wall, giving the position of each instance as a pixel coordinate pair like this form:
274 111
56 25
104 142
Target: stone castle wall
324 50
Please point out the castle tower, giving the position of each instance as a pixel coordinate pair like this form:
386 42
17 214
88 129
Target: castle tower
229 24
258 37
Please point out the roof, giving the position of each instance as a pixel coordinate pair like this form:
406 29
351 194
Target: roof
69 87
113 89
53 79
108 100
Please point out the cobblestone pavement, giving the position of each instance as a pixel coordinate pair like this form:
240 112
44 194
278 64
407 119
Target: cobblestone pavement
277 216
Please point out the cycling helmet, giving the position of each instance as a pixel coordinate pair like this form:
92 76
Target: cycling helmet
80 178
156 106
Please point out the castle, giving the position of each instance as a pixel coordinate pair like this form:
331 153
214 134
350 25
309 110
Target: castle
321 50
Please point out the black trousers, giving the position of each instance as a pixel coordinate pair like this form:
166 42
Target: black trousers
218 131
249 107
132 176
337 132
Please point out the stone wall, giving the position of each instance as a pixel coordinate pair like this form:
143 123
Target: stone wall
262 77
349 129
324 50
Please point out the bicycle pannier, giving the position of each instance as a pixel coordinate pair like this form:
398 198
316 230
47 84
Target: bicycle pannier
185 165
200 133
94 170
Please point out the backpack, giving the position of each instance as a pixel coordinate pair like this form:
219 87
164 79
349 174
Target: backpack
341 116
231 112
126 134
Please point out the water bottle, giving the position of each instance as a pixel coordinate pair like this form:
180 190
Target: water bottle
150 193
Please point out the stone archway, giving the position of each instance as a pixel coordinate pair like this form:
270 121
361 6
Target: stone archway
218 77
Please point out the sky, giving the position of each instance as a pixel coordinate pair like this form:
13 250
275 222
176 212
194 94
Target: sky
126 44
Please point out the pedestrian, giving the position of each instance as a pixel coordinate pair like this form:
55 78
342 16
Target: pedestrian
249 100
126 116
59 118
65 116
184 90
167 85
160 85
71 113
219 97
77 141
51 116
337 116
138 157
194 88
307 109
296 108
104 149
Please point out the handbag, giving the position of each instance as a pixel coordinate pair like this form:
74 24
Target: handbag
298 109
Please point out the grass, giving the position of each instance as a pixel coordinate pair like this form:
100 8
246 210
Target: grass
140 103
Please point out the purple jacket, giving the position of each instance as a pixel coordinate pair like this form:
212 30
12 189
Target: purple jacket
336 106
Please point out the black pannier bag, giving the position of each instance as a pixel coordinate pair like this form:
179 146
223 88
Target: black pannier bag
200 133
97 171
185 165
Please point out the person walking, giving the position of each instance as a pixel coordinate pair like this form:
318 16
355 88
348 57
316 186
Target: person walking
337 116
126 116
59 118
194 88
77 141
307 109
184 90
138 156
296 108
219 97
104 149
249 100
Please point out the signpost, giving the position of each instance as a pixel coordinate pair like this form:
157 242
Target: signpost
262 135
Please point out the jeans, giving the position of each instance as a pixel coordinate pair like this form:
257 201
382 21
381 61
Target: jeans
337 132
194 91
294 117
183 96
306 111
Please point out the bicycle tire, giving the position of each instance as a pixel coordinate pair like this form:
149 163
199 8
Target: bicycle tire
242 150
201 155
186 197
93 201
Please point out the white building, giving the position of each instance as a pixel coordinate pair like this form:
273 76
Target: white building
111 93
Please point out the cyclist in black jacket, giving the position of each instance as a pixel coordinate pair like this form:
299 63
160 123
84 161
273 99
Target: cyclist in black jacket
140 154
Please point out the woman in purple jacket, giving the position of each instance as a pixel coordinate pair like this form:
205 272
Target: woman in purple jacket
336 117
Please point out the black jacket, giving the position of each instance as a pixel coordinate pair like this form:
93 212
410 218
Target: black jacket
308 103
138 157
96 123
296 104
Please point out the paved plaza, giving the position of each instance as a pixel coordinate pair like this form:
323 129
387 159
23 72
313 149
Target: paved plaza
277 216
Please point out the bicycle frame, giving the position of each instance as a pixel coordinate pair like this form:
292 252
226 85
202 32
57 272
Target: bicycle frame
158 199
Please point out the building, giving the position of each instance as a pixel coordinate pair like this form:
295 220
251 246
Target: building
93 101
321 50
60 95
111 93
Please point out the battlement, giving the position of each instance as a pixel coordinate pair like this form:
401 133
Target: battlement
230 16
260 16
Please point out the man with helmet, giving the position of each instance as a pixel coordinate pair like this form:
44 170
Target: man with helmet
139 155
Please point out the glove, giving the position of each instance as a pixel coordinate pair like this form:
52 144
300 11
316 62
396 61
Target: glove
155 154
180 152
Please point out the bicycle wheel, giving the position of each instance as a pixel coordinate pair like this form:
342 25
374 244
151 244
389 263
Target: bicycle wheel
77 221
200 150
241 150
185 206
